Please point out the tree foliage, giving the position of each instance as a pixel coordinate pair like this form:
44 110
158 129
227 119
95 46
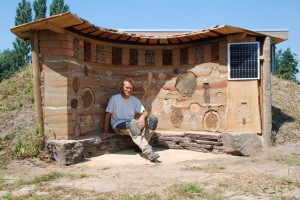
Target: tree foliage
58 6
286 64
22 48
8 63
23 13
40 9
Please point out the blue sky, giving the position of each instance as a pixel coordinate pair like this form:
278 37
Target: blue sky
176 14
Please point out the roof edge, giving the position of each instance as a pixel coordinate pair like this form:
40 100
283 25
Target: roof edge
70 22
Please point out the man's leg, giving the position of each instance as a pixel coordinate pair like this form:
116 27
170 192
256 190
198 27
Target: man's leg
140 140
150 127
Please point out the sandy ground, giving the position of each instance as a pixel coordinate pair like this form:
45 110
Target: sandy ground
111 176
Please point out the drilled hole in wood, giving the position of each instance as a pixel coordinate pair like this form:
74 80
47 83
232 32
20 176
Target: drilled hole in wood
86 70
74 103
87 99
76 84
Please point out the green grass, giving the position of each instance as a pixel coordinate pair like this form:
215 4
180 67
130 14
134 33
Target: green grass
15 93
291 160
150 196
1 180
286 97
36 180
209 168
3 162
190 189
28 143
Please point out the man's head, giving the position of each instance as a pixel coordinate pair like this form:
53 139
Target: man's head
127 88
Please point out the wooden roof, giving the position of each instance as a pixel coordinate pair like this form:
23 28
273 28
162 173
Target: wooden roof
69 22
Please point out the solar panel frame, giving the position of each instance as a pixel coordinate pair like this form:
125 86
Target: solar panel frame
243 61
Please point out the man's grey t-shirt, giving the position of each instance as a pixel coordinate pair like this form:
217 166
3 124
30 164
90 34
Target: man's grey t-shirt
122 109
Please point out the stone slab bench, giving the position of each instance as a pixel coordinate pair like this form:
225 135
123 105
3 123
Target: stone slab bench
68 152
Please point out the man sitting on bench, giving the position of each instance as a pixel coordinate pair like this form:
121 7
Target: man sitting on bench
121 109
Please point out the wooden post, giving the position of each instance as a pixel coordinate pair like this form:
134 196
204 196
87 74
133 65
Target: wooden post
38 112
267 98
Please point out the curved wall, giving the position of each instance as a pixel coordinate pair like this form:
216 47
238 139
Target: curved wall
183 85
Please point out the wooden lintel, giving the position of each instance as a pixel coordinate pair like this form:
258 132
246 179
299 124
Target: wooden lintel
54 28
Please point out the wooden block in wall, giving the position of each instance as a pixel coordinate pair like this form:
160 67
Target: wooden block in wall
223 51
243 112
176 56
207 53
141 57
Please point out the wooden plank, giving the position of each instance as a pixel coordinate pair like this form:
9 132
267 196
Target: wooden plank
243 113
97 32
82 26
202 35
194 37
134 39
54 28
163 41
115 36
173 40
143 39
184 39
89 30
124 37
153 40
106 34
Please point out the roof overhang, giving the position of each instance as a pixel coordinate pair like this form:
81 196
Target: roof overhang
68 22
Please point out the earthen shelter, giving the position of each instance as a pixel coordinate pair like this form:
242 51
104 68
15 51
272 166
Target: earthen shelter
200 84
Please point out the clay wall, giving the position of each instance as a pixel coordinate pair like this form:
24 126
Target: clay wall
185 86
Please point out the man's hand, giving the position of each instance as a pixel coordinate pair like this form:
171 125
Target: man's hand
105 136
141 122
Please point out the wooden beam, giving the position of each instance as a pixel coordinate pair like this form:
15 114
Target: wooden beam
38 111
184 38
163 41
54 28
267 98
89 30
82 26
153 40
239 37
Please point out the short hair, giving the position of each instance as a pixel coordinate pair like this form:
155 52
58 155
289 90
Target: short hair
129 80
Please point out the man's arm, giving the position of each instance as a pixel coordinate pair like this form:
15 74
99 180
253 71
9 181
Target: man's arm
105 134
142 119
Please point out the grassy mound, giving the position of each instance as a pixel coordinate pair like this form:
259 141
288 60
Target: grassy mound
15 94
285 110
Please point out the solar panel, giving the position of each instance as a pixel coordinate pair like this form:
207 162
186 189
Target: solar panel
243 61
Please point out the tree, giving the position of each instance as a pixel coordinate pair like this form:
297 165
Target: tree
8 64
40 9
23 13
22 48
58 6
286 64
